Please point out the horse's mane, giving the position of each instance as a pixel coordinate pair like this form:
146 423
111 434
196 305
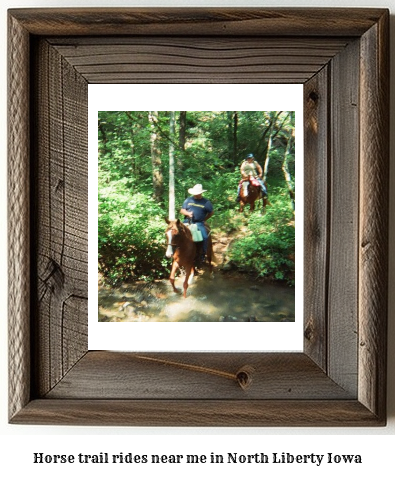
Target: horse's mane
185 230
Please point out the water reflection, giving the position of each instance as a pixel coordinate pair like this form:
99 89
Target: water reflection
222 298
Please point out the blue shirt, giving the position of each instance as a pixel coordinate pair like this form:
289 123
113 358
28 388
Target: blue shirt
199 207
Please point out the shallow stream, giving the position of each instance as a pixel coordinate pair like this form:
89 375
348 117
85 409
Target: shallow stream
211 298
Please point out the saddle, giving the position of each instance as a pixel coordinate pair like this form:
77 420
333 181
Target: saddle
196 234
244 183
254 181
250 180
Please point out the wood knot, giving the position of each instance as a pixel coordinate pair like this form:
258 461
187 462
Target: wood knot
59 185
313 96
54 276
308 332
244 376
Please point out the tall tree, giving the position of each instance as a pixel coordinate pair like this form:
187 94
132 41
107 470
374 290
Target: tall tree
103 138
232 118
172 192
182 137
183 127
273 118
285 168
157 175
235 145
132 145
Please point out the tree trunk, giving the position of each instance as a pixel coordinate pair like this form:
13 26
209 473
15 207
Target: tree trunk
172 201
183 126
232 120
287 175
157 176
267 159
235 146
229 130
182 137
132 147
103 141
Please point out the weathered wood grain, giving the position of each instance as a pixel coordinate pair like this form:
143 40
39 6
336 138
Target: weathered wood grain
343 221
164 59
316 206
373 226
261 22
202 413
204 375
18 214
48 198
61 204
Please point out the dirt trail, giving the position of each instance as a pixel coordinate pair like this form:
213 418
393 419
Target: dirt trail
223 296
221 244
226 295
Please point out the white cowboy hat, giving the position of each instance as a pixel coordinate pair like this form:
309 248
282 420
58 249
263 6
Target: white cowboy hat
196 190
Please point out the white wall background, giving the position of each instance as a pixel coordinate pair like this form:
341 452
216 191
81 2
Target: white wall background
20 442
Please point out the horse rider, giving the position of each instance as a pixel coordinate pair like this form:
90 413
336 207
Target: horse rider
197 209
250 167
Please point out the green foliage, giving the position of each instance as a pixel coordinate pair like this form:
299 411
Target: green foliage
268 249
131 234
131 222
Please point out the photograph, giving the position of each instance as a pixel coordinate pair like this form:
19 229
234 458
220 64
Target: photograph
163 279
196 216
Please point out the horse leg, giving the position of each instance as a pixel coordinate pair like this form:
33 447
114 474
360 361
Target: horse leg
188 271
210 255
264 203
174 269
192 275
198 254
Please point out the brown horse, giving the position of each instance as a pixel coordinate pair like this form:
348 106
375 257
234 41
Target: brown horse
184 251
251 193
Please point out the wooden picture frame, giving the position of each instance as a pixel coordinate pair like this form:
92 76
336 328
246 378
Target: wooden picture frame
342 58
